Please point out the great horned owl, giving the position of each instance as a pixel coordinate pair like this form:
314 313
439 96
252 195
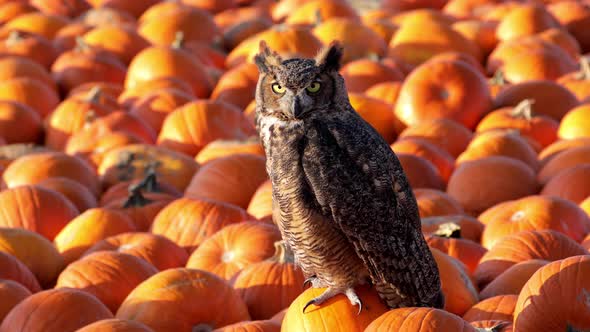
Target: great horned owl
340 196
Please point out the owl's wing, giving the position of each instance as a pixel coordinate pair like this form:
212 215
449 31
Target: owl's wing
359 184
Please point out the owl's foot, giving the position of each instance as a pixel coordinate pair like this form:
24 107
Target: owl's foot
309 281
331 292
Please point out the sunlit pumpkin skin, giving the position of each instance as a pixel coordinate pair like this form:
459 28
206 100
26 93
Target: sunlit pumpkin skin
222 148
457 286
443 89
72 115
37 209
336 314
575 17
140 207
465 250
512 179
189 128
560 146
500 142
65 38
232 179
70 310
385 91
260 206
150 184
482 33
571 183
12 293
252 326
31 92
92 149
155 302
243 28
84 64
132 161
167 61
157 250
12 9
11 152
304 14
188 222
419 320
444 162
67 8
357 38
115 325
493 325
421 172
34 251
18 66
13 269
38 23
377 113
108 275
534 213
129 97
87 229
513 279
563 39
564 160
499 307
541 128
562 281
34 168
444 133
235 247
575 124
585 205
543 244
121 41
154 107
34 47
107 15
285 39
258 283
525 20
109 92
550 98
468 227
237 85
432 203
19 123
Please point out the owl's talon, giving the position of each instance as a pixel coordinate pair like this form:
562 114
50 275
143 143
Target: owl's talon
354 299
331 292
308 304
309 281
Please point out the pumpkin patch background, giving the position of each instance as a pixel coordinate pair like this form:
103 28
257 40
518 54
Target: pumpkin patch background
134 195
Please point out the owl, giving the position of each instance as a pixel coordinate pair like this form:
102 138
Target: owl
340 196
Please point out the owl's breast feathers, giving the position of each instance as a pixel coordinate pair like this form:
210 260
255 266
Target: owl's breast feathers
342 168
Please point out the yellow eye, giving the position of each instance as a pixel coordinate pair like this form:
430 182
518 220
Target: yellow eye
277 88
314 87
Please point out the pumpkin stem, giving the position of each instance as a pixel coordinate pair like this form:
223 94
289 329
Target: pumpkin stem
495 328
14 37
89 118
81 45
178 39
570 328
150 182
318 17
524 109
373 56
448 230
584 73
282 253
136 198
498 78
94 95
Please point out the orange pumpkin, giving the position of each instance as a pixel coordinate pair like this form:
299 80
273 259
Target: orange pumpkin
155 302
444 162
433 203
306 12
237 85
130 96
466 251
37 23
79 195
482 33
525 20
14 270
19 123
115 325
87 229
136 160
107 15
31 46
149 184
67 8
468 227
578 82
421 173
36 209
12 293
31 92
513 279
222 148
585 205
572 183
443 89
500 142
242 29
499 307
322 318
419 320
141 207
108 275
493 325
562 282
563 39
154 249
377 113
560 146
66 38
154 107
91 148
34 168
541 128
70 310
251 326
444 133
12 9
260 206
568 158
189 128
257 284
575 123
18 66
575 17
123 42
385 91
205 218
543 244
231 249
34 251
534 213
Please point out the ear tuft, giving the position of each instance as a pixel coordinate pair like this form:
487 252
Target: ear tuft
329 58
267 59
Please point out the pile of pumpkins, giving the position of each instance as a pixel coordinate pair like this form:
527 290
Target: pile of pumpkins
134 195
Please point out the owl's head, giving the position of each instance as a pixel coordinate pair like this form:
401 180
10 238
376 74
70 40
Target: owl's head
293 89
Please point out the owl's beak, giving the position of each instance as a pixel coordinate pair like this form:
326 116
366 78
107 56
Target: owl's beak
296 107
